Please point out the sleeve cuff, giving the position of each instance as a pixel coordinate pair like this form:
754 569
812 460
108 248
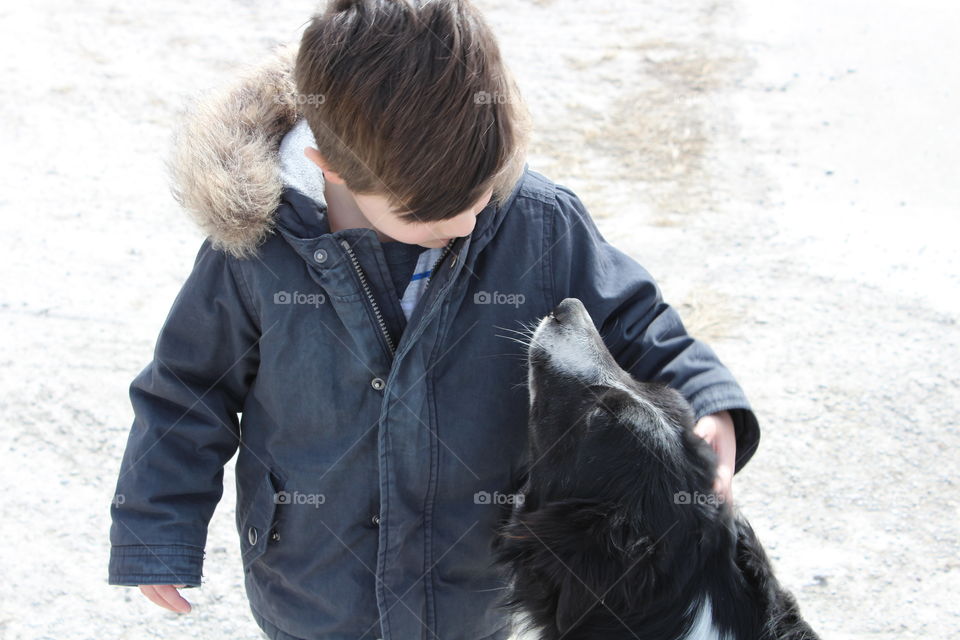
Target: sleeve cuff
133 565
745 425
747 429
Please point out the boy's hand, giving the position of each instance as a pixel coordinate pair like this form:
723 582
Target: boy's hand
717 429
166 596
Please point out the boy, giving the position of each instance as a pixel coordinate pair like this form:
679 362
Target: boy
349 302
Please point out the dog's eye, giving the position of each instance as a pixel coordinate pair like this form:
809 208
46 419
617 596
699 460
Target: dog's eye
601 409
597 418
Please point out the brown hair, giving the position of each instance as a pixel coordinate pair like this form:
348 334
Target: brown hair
409 99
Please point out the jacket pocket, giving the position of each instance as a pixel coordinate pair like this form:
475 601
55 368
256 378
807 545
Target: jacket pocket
258 520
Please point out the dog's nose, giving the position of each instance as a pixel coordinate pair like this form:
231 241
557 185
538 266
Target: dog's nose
560 314
563 311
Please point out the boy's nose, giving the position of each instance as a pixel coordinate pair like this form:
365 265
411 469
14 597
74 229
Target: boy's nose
464 227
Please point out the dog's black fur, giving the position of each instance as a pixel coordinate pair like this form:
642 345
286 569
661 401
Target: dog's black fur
601 546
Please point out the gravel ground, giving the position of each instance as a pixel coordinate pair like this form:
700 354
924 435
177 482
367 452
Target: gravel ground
781 168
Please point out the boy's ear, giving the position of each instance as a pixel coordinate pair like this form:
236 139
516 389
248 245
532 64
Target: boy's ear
316 158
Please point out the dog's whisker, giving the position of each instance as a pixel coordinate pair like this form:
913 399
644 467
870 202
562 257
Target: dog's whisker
512 339
496 326
526 336
526 344
518 356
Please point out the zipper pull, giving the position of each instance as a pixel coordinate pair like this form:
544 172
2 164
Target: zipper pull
453 260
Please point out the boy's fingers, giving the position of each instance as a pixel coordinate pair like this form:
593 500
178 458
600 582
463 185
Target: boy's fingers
725 473
723 484
165 596
173 598
151 593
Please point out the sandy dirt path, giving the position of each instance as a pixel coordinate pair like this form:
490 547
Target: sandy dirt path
785 170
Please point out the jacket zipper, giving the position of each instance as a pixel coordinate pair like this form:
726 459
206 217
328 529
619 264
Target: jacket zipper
366 287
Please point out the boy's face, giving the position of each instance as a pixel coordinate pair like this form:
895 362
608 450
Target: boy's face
377 211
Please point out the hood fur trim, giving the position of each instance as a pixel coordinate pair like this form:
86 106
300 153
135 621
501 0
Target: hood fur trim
224 166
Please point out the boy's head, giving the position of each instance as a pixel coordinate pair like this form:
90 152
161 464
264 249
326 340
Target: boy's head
411 107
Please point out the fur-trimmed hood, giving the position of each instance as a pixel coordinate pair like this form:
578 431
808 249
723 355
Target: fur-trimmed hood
232 157
224 167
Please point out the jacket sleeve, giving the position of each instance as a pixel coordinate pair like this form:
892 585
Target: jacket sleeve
185 427
644 333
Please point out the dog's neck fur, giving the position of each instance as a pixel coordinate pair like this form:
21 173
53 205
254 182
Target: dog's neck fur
703 627
729 587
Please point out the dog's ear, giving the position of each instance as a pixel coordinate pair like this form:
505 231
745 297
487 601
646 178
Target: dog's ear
574 602
613 568
584 549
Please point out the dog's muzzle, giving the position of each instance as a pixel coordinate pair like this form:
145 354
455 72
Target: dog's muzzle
567 343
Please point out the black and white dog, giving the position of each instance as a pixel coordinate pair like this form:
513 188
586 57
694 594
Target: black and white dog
607 541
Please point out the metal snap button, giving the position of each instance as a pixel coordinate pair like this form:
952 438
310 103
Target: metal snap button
375 519
320 255
377 383
274 536
252 535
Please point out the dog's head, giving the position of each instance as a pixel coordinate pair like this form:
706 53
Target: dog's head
618 499
592 423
